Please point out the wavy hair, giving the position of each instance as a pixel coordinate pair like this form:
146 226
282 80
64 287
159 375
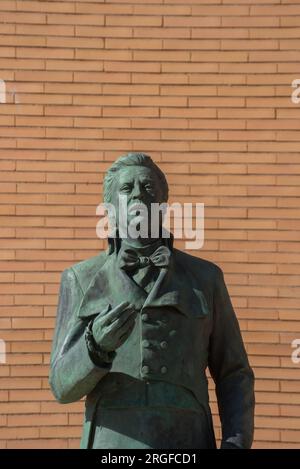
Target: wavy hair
133 159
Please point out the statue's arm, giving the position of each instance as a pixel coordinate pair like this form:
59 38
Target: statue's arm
229 367
72 372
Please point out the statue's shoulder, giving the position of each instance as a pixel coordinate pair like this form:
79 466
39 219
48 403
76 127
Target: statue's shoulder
84 271
197 265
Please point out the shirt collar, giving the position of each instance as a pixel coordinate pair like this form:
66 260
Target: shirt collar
114 243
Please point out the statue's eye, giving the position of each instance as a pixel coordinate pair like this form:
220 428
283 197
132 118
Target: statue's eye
126 188
149 187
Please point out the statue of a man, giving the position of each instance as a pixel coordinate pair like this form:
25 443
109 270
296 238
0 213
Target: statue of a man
136 328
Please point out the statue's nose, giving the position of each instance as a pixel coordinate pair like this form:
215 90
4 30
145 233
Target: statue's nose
137 193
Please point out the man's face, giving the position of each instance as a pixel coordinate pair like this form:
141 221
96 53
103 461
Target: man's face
138 184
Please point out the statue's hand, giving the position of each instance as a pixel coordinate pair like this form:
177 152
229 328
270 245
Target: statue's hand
111 329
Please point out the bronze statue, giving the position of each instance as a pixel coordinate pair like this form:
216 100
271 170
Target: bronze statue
136 328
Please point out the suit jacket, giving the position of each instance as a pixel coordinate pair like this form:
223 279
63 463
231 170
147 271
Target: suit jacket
188 309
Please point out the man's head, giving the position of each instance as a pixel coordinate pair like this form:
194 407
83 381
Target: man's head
122 175
137 179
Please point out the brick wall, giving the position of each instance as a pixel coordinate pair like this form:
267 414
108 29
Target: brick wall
204 87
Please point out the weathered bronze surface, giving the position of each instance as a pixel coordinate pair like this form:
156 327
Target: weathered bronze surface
136 328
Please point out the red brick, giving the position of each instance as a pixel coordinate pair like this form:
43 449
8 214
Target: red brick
70 19
134 20
205 89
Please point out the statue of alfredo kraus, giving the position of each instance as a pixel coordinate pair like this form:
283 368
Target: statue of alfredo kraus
136 328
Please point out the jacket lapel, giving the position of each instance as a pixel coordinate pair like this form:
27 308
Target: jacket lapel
110 286
174 288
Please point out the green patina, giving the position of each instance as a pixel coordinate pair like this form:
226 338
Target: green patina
136 338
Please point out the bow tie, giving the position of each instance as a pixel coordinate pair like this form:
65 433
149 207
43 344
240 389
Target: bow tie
130 259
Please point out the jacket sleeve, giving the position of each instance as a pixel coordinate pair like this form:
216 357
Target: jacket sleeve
229 367
72 372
